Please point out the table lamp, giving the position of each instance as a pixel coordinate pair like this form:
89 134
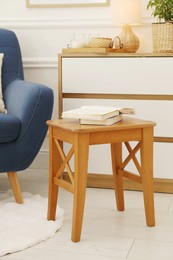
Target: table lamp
126 13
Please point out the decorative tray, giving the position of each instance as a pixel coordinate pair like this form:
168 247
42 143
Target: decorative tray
92 50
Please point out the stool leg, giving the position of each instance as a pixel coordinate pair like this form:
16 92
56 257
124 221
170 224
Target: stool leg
54 164
116 153
81 147
147 174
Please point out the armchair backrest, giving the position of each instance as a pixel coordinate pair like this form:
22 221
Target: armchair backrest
12 68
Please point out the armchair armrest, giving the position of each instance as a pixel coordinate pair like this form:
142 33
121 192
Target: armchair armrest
32 103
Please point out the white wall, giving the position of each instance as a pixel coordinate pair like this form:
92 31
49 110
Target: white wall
43 32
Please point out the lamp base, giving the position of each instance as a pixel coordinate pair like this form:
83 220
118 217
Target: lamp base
129 41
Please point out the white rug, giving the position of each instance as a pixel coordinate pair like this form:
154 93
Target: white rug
24 225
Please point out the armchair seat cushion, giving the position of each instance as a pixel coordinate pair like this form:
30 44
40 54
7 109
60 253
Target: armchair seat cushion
9 128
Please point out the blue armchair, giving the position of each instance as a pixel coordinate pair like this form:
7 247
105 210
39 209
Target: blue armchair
29 105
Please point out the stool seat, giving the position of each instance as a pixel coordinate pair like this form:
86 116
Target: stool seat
81 137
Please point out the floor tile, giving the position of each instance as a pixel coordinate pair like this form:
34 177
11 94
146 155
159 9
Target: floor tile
90 244
146 249
107 233
47 254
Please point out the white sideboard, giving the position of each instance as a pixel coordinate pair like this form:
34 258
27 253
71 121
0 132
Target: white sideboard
142 81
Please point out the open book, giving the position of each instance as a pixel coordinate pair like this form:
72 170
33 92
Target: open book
96 112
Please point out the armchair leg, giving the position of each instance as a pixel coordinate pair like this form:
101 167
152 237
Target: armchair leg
12 176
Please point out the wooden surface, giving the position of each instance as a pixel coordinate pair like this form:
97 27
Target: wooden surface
112 54
13 179
105 181
80 137
73 125
92 50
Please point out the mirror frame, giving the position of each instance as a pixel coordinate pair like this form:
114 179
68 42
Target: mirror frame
70 3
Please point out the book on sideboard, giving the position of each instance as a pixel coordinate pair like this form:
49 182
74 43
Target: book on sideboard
96 112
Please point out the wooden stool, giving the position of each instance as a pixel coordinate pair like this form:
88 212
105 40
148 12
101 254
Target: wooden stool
81 136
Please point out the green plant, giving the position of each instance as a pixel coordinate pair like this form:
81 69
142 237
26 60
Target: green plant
162 9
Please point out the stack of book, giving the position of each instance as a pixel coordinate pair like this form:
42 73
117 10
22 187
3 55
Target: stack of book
97 115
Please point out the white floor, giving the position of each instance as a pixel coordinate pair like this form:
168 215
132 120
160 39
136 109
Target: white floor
107 233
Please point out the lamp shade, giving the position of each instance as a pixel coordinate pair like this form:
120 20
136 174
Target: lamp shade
126 12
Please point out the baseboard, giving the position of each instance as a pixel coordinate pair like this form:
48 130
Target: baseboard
105 181
41 161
